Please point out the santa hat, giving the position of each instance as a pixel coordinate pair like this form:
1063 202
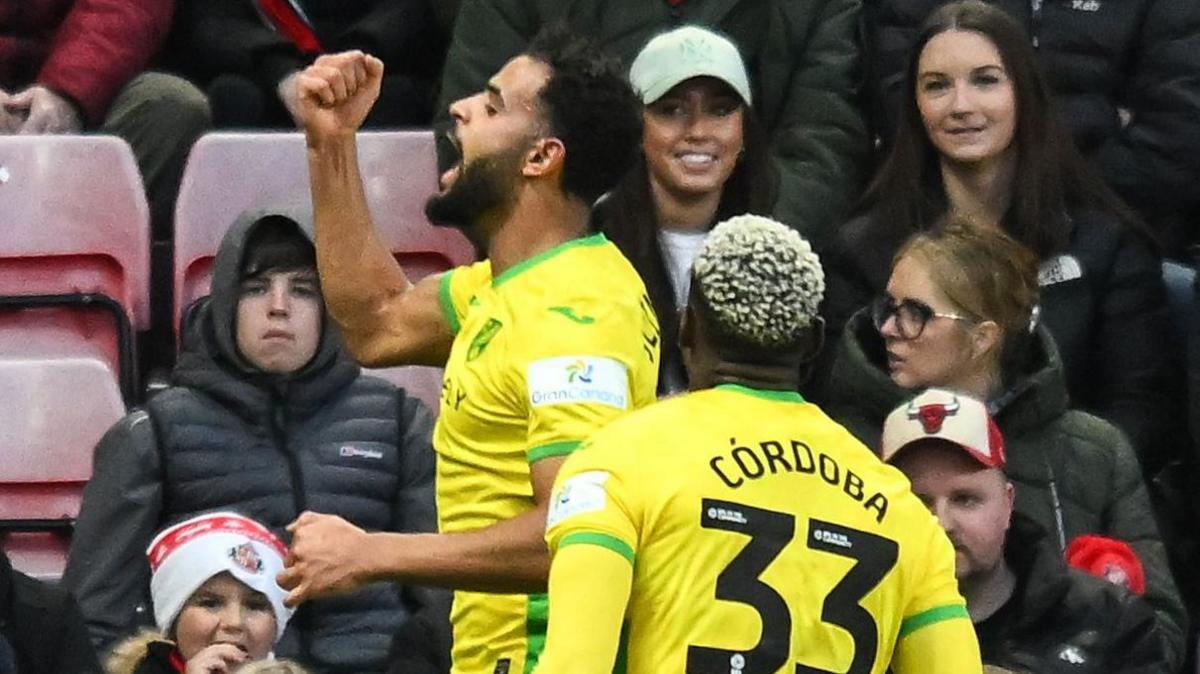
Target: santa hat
185 556
1110 559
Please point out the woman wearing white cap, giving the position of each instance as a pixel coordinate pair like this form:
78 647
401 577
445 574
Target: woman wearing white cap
704 159
216 603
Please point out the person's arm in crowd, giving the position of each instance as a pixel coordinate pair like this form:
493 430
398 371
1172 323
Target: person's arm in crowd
1152 157
590 587
107 571
1135 641
99 47
332 556
1133 375
1130 518
487 33
819 139
385 319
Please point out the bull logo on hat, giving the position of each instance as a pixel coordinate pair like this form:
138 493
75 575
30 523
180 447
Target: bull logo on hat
246 557
933 415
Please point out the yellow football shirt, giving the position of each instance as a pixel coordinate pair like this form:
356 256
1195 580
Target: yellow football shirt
544 355
763 539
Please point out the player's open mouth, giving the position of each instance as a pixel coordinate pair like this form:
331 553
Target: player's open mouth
447 179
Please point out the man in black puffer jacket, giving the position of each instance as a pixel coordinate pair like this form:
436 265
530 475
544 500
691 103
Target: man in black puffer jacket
1031 612
267 416
1126 76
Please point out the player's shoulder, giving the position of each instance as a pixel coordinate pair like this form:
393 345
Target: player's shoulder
654 420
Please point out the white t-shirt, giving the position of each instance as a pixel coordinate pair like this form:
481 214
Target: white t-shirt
680 248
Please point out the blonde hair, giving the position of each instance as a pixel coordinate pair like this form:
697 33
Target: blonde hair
985 273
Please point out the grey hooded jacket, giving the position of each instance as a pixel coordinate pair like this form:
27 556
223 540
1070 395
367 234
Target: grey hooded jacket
229 436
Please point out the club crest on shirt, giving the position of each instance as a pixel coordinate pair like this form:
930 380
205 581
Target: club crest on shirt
246 558
483 338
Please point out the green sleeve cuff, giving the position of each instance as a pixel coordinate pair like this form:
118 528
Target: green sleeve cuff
603 540
552 449
448 303
932 617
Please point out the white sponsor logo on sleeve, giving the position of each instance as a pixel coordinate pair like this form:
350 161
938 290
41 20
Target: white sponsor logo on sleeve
587 380
1058 269
583 493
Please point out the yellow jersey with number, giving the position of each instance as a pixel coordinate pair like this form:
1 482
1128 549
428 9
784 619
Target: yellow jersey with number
764 539
544 355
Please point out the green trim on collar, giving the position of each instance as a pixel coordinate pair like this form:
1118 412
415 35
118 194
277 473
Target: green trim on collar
766 394
597 239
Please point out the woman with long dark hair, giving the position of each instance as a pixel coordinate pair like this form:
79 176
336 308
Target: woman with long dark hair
704 159
979 138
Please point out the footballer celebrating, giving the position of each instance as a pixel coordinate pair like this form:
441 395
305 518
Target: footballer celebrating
544 342
736 528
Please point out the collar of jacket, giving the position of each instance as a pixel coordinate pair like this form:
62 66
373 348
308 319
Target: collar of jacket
1042 573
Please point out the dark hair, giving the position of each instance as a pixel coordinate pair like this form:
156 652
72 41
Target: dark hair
1050 178
277 244
591 108
628 217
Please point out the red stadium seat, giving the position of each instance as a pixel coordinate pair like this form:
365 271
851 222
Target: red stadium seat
228 173
60 396
75 239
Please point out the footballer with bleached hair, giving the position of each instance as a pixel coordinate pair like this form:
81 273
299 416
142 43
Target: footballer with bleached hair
736 527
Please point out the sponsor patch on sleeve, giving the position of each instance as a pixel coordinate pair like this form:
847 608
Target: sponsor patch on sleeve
583 493
584 380
1059 269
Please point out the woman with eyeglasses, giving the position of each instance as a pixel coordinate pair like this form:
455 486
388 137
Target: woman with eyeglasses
960 311
979 138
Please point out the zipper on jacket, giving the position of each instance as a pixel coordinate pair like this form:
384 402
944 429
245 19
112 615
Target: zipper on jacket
1035 21
279 430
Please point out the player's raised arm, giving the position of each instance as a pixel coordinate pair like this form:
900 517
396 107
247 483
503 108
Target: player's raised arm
385 318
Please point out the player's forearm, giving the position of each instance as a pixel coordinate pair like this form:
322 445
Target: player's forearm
358 273
589 590
509 556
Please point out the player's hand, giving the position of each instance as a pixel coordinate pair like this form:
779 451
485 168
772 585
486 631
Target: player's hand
44 112
216 659
335 93
325 558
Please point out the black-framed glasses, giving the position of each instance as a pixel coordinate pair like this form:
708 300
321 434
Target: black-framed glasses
911 315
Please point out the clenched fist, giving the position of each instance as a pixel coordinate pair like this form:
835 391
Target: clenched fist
335 93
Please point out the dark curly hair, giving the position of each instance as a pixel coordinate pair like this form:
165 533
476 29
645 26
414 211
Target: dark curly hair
591 108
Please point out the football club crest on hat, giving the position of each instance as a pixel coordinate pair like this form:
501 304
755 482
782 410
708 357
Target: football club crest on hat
246 557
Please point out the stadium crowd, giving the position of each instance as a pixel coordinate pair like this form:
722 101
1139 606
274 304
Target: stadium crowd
809 335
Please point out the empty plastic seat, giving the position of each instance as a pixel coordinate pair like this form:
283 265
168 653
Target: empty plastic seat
399 173
75 238
60 396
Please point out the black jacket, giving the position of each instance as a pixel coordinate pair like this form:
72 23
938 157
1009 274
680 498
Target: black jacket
1074 473
1064 621
41 630
228 436
1100 56
1107 311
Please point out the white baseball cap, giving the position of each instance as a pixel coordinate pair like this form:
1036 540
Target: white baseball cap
684 53
944 415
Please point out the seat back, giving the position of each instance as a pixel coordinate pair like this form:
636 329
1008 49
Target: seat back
229 173
60 397
75 220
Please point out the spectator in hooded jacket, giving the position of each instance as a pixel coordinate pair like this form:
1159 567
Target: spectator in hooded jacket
69 66
802 57
979 139
1030 610
1126 79
704 158
266 415
248 53
960 312
41 630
